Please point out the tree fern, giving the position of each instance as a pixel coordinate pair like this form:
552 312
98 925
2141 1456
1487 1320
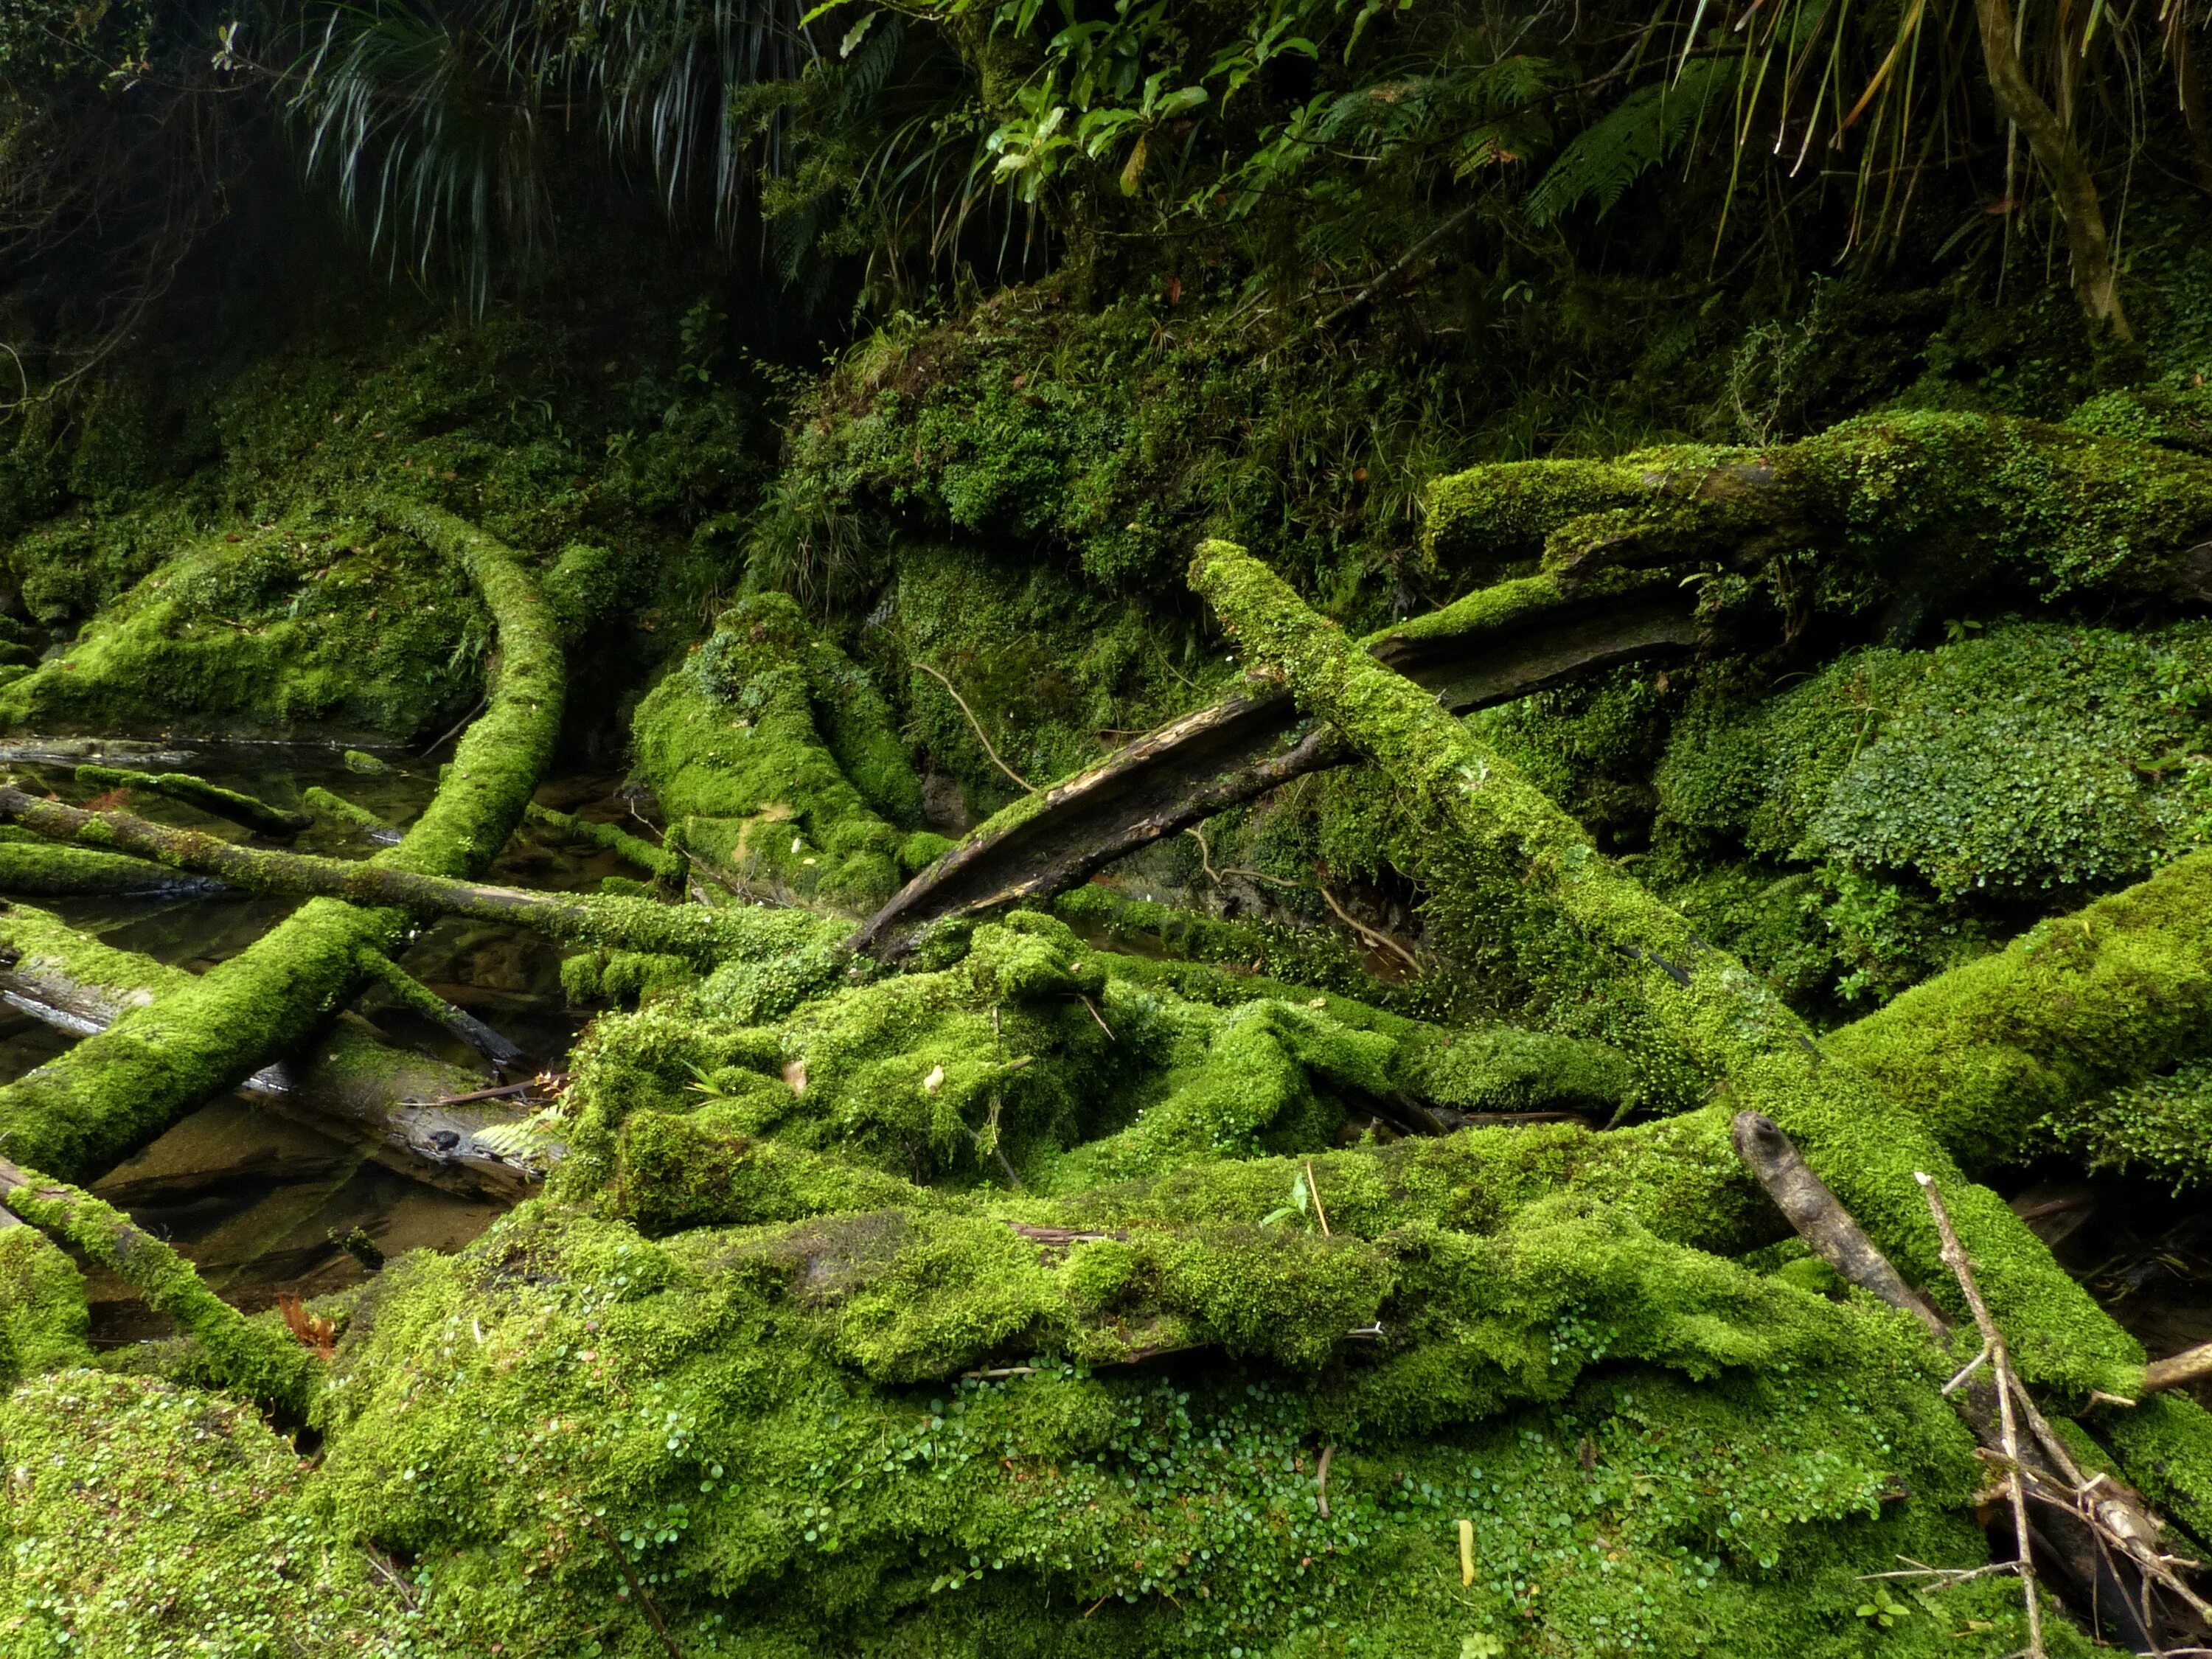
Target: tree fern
1641 131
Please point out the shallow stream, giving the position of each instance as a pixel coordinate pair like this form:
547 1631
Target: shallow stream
263 1204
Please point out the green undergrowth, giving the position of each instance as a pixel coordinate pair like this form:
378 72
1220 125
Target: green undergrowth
1902 812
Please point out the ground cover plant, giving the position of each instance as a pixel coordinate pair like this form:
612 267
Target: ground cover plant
1276 829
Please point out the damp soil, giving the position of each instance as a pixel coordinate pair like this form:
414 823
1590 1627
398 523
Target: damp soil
263 1206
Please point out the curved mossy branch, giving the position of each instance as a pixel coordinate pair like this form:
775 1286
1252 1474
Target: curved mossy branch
41 869
261 1362
116 1091
667 866
1697 999
1491 647
2076 1006
1928 506
349 1083
257 816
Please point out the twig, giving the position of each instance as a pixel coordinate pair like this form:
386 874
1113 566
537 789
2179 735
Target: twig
1993 1344
1313 1191
976 726
2190 1365
1096 1015
1380 941
645 1602
1320 1480
1220 877
457 728
1398 264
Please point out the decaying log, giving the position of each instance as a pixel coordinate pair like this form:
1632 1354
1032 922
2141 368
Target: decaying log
1505 643
118 1089
244 810
401 1106
2137 1600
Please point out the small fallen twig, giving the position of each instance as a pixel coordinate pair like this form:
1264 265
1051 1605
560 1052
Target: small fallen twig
1313 1191
646 1603
1320 1480
1380 941
2000 1363
977 726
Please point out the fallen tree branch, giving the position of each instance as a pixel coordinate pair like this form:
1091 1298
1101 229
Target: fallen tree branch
116 1091
212 799
266 1364
1493 647
348 1084
412 994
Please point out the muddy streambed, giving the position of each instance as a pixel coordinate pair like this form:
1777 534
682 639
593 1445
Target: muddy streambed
261 1203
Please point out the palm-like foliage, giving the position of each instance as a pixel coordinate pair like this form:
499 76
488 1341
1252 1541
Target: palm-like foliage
434 118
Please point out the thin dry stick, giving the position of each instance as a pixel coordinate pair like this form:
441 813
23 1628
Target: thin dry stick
1313 1191
976 726
1380 941
1219 878
645 1602
1320 1480
1993 1346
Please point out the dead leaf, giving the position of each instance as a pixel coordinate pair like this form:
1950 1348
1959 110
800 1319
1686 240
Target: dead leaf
313 1329
794 1075
934 1081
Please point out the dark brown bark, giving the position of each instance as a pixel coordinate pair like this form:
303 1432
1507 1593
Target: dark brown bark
1236 750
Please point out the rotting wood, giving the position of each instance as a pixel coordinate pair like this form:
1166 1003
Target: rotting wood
2068 1532
1235 751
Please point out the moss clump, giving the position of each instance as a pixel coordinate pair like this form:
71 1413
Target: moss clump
42 1313
1931 504
773 756
312 620
1933 801
2077 1006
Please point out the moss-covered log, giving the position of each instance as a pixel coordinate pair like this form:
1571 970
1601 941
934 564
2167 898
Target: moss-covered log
348 1083
338 810
1486 819
1495 645
214 799
2076 1006
37 868
117 1089
667 867
1930 506
259 1360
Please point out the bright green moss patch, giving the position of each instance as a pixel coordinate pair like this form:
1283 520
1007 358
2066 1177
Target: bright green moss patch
774 758
315 621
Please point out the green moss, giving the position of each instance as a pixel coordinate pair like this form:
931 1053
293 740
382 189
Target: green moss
668 869
1493 832
255 815
309 621
747 746
259 1359
2075 1007
45 869
1928 503
42 1313
116 1090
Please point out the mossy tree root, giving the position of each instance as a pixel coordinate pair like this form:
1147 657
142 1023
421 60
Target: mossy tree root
116 1091
266 1365
699 934
253 814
